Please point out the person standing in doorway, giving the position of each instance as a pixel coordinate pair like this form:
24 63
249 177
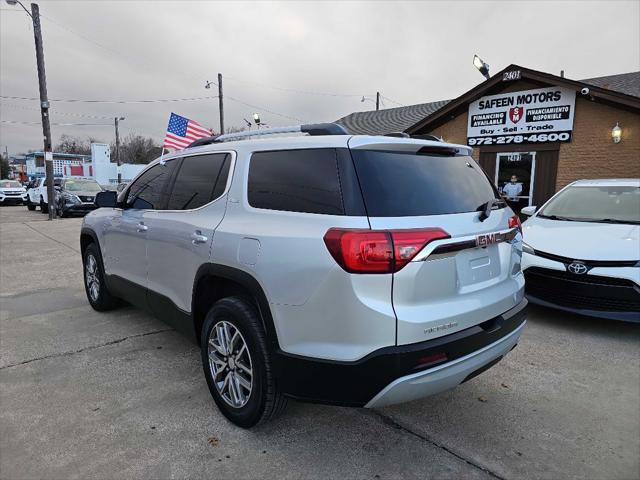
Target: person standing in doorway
512 191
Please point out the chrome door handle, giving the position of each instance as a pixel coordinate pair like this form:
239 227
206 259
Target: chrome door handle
142 228
197 237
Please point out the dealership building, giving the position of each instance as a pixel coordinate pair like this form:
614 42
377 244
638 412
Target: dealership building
545 129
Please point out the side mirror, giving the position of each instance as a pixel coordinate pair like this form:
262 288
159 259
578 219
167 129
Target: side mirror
528 211
107 199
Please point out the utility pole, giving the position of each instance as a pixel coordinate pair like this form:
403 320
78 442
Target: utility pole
377 100
221 104
44 110
116 119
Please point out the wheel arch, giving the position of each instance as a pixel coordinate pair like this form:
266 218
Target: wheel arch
87 236
213 282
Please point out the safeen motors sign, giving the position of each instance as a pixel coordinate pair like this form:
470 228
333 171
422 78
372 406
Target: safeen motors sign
532 116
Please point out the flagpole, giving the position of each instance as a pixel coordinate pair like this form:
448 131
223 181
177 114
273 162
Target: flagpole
162 155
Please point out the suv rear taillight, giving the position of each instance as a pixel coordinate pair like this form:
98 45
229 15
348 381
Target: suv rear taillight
514 222
378 251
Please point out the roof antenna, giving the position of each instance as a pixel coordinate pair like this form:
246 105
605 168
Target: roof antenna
561 73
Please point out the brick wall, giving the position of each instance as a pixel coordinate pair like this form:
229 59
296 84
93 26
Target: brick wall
591 152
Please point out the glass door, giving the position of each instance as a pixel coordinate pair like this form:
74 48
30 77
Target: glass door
515 172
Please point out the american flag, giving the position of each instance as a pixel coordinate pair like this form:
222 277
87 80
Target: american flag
181 132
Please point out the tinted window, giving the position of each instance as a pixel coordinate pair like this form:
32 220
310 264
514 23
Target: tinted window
296 181
148 191
200 180
406 184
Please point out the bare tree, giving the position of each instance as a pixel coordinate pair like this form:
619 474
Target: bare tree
234 129
136 149
133 148
71 144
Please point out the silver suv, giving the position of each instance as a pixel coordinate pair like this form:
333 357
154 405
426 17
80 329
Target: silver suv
349 270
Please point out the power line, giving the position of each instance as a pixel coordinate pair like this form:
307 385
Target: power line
392 101
262 109
59 25
137 61
55 112
74 100
14 122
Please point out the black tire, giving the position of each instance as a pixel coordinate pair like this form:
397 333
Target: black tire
44 207
30 206
265 401
103 300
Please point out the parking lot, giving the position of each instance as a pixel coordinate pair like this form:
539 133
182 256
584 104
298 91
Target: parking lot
111 395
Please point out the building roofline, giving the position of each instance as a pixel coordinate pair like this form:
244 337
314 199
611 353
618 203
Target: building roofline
609 96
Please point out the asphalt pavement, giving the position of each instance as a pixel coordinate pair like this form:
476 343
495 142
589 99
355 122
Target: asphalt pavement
120 395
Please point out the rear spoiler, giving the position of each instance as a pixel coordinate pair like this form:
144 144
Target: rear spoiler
409 145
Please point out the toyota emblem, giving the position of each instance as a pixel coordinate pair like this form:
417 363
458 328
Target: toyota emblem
577 268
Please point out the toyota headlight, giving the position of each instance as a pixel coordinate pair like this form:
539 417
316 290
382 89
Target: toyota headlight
527 248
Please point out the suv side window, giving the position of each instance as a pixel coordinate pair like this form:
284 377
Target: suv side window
149 191
296 181
200 180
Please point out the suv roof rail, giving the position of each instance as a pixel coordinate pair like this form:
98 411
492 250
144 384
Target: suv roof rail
314 129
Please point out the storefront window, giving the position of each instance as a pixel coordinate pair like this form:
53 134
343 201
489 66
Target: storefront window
514 178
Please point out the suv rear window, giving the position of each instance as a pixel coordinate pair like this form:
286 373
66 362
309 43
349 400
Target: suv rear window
396 184
296 181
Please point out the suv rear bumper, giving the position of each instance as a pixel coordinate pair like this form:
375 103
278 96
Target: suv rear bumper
446 376
402 373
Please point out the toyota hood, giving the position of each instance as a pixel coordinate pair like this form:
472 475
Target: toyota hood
583 240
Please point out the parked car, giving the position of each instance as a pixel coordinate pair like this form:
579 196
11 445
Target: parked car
76 196
349 270
12 192
582 249
37 193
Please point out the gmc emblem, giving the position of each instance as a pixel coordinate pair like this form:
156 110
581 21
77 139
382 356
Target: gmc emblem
488 239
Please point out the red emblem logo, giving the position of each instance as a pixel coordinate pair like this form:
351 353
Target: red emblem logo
515 114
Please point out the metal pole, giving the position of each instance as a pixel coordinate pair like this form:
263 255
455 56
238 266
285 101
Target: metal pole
44 110
220 103
377 100
118 151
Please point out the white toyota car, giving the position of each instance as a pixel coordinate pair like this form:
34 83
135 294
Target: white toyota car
582 249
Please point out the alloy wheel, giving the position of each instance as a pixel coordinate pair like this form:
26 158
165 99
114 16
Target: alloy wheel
230 364
91 277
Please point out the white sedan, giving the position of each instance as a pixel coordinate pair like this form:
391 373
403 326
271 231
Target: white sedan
581 249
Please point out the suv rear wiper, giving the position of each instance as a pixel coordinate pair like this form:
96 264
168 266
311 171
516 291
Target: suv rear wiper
485 209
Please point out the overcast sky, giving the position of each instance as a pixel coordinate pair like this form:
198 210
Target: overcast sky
412 52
